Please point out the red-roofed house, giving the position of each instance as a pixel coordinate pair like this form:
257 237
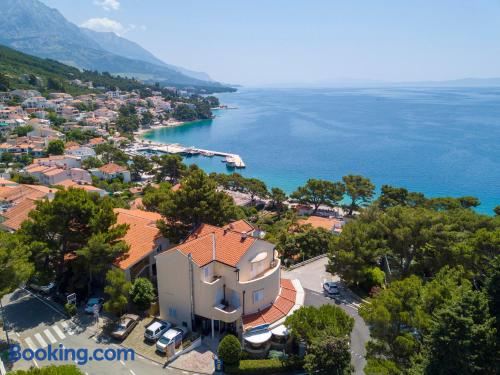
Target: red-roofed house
111 171
145 242
224 279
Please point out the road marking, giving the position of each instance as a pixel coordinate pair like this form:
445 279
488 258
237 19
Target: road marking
59 333
123 363
30 343
40 340
66 328
133 373
52 339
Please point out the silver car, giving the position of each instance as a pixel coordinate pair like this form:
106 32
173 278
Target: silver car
331 289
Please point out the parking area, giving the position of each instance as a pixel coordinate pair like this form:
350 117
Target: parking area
35 322
135 340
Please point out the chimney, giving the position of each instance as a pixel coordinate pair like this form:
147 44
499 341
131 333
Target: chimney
243 237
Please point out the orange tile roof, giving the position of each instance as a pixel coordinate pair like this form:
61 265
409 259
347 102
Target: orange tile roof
137 203
320 222
279 309
19 213
140 236
112 168
96 141
230 246
71 144
240 226
18 192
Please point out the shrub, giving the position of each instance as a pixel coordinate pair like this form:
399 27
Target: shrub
372 277
50 370
229 350
142 293
260 366
70 309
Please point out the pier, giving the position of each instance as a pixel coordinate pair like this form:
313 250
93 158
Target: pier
232 160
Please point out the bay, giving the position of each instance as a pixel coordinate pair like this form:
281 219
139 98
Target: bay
439 141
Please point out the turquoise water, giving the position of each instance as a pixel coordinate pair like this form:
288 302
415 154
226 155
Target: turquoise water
442 142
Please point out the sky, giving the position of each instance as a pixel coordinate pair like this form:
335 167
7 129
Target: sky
262 42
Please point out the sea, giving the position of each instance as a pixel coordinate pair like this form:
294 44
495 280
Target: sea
439 141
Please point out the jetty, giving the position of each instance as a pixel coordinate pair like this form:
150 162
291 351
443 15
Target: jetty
141 148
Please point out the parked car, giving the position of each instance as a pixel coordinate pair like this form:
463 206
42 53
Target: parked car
156 329
124 326
91 302
331 288
172 336
45 288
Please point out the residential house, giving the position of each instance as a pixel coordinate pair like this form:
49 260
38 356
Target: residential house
111 171
224 278
17 201
53 175
96 141
330 224
79 185
145 242
83 152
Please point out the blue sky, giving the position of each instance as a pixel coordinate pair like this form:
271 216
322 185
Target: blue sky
306 41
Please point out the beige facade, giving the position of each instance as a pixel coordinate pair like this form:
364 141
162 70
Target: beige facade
216 290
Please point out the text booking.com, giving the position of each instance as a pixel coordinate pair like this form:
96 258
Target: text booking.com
81 356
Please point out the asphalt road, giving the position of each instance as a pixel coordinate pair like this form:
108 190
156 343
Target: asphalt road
312 276
34 323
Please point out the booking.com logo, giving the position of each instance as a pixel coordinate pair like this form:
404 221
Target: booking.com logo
62 354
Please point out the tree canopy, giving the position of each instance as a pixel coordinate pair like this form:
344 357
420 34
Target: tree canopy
319 192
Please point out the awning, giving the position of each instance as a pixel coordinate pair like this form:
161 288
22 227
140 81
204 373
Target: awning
280 331
258 337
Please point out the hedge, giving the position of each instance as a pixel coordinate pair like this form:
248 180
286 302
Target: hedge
259 366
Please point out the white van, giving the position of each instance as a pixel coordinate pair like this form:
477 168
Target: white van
174 336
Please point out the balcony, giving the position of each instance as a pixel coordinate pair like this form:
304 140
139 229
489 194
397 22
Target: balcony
272 271
214 280
226 312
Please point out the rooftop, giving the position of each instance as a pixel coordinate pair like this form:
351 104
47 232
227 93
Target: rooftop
209 243
112 168
140 236
280 308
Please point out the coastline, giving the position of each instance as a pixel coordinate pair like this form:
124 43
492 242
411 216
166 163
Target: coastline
175 123
169 124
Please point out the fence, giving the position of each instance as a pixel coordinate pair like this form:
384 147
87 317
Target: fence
297 265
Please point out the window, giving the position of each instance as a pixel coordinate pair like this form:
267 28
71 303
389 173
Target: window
207 273
258 295
172 312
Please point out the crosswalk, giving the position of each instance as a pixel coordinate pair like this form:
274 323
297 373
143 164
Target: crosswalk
51 335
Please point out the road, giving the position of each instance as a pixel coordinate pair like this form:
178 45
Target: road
34 322
312 276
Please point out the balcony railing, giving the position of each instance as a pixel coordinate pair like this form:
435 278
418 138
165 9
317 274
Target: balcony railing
227 312
273 268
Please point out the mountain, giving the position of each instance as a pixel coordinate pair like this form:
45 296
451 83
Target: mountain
111 42
32 27
16 68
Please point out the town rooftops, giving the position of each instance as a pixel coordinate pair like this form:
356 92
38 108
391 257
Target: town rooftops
140 236
112 168
210 243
